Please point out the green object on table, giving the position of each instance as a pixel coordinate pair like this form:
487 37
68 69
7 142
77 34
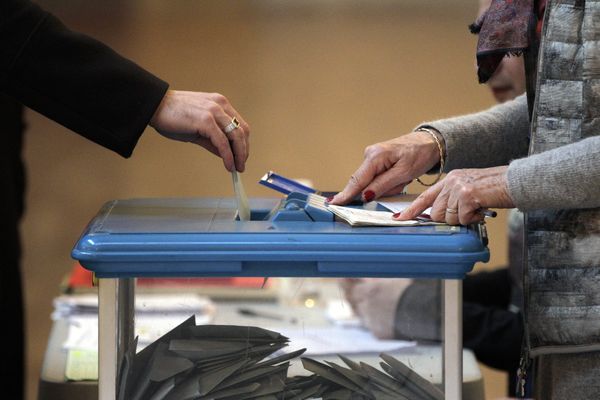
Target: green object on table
82 365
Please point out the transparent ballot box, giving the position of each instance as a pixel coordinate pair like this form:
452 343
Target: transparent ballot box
188 238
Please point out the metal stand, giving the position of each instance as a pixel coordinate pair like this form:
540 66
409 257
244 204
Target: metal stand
115 331
453 360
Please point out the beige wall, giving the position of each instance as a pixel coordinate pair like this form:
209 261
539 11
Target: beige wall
317 81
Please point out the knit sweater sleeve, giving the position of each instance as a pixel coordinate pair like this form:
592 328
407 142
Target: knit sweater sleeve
485 139
562 178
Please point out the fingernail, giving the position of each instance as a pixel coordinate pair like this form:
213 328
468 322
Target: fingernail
329 199
397 215
369 195
424 215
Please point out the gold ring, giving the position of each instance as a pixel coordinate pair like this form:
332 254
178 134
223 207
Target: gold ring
452 210
232 126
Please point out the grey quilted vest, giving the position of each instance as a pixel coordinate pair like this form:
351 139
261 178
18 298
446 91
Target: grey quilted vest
562 277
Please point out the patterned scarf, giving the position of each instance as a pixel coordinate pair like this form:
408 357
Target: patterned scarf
505 29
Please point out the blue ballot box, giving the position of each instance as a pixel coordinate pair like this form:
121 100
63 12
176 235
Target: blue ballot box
284 238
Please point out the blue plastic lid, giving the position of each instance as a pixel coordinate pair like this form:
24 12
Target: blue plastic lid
201 237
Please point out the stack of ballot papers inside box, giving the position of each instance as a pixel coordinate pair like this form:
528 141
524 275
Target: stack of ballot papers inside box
208 362
229 362
361 381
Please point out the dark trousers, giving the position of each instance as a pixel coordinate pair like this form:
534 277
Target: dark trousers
490 329
12 351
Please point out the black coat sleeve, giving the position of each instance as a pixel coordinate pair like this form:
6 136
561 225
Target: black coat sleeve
74 79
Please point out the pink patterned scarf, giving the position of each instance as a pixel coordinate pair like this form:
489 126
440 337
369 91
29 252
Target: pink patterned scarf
506 29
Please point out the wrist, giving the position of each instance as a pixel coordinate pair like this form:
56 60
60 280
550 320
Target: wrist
156 116
436 151
431 137
427 142
509 202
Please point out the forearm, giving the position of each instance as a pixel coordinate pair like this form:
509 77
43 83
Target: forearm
418 313
562 178
74 79
486 139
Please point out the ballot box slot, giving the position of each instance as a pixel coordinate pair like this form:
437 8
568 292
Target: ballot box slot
256 215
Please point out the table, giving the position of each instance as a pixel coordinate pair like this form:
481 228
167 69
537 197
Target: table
424 359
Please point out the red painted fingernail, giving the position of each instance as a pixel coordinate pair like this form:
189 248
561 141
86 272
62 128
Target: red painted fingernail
425 216
329 199
396 215
369 195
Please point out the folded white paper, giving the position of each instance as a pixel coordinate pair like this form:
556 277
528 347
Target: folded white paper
361 217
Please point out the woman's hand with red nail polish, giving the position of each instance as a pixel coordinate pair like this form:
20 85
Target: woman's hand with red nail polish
368 196
389 166
459 198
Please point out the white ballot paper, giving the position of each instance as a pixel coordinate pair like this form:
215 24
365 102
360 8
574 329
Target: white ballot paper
361 217
242 199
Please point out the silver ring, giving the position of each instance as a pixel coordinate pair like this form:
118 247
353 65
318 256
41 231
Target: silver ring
452 210
232 126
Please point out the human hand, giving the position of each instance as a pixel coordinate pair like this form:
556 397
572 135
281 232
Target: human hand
374 301
464 192
389 166
200 118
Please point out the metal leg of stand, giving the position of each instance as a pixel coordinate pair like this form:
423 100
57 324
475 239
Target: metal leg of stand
115 331
125 315
453 360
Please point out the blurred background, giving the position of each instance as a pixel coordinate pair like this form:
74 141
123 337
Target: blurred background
318 80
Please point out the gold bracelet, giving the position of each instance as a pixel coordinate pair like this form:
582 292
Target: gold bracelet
441 150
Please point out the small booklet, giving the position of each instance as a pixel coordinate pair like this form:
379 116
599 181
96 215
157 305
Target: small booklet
361 217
